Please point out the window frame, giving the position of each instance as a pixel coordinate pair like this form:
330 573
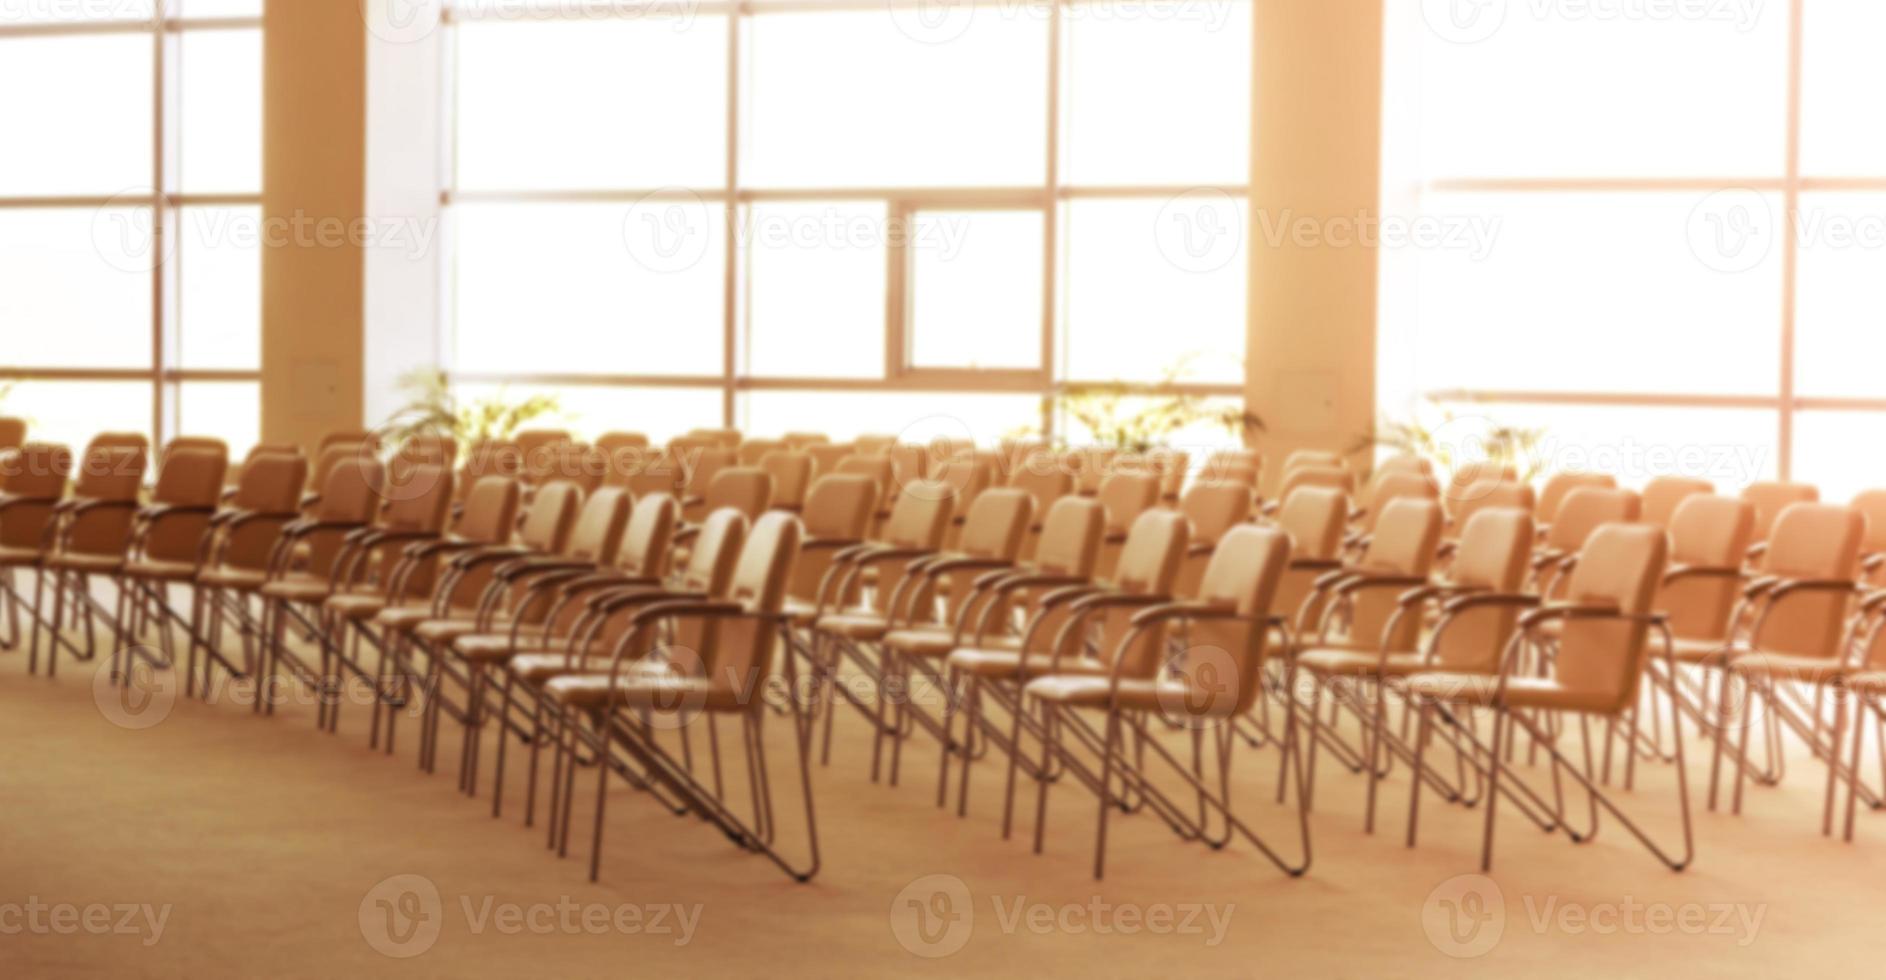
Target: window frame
165 375
736 377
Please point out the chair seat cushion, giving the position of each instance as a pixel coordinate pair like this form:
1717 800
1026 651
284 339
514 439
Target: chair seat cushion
240 579
867 626
168 571
298 587
1480 690
1340 662
931 641
77 561
1781 666
986 662
356 605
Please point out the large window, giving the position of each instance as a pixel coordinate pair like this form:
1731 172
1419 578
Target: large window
1684 213
846 215
130 231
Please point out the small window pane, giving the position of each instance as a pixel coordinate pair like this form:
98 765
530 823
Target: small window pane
1842 76
1181 114
226 410
73 11
1516 89
589 103
72 412
219 302
976 289
870 99
915 417
75 287
591 288
1155 289
76 116
1840 295
1731 448
588 411
1834 451
221 122
1606 293
815 289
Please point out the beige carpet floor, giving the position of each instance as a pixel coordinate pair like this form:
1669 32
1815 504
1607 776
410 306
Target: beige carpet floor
217 843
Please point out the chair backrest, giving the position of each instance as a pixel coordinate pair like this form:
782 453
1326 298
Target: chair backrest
189 478
714 552
921 516
1070 537
208 444
1314 457
490 458
804 440
1872 505
874 445
1317 476
1504 495
1314 518
737 654
1664 494
547 523
612 442
997 523
35 475
699 466
1585 510
1392 485
1407 535
645 471
754 450
597 534
423 504
1707 534
113 467
1494 552
1406 463
648 540
12 432
720 438
354 440
1126 496
1559 486
840 507
327 459
1150 559
1770 499
1816 542
876 468
1041 477
1233 464
827 457
532 440
1149 566
1090 465
490 510
271 483
746 489
967 477
792 477
1604 659
1213 509
1222 668
1469 478
352 491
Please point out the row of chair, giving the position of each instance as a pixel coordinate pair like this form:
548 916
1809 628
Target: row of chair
573 619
